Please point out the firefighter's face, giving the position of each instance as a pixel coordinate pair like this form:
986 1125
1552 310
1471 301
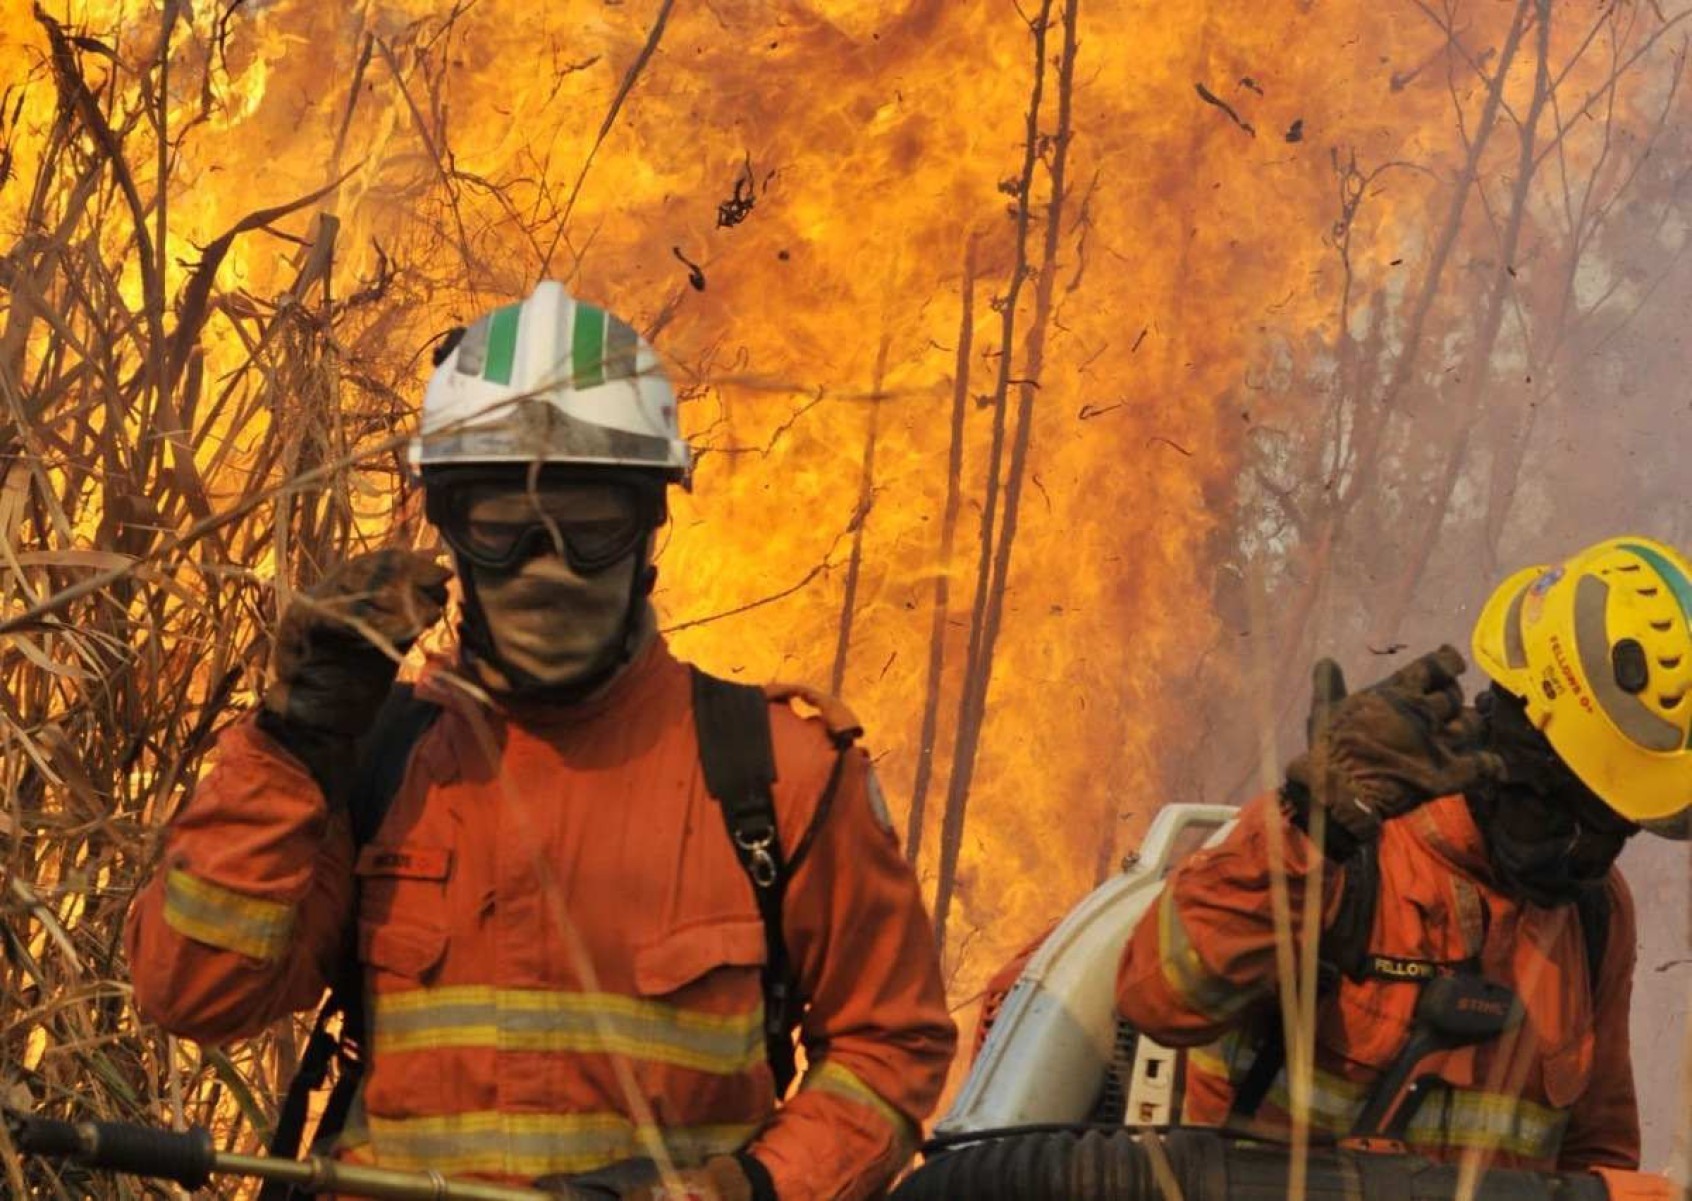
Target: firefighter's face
553 575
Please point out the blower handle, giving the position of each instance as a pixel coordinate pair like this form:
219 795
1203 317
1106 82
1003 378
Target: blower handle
188 1157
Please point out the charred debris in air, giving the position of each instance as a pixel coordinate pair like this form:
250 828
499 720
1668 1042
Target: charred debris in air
1295 131
743 198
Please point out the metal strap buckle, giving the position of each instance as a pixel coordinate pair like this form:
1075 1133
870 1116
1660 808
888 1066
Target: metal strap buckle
757 848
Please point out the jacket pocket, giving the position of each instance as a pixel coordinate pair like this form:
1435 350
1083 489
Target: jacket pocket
709 955
402 916
402 941
1369 1022
702 994
411 949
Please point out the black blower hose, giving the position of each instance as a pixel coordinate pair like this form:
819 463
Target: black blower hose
1116 1165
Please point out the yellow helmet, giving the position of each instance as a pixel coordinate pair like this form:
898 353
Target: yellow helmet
1600 649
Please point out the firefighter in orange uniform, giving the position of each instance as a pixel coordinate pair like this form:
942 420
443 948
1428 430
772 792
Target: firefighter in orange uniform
1507 871
561 947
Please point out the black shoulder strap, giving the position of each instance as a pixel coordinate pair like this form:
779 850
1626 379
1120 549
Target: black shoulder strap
1343 950
1593 905
382 759
400 724
1345 944
733 726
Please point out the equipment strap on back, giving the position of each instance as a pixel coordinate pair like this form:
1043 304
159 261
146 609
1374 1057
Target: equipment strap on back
738 762
382 759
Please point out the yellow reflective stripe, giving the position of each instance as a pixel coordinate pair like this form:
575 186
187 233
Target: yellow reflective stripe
1456 1118
1186 973
1218 1058
1450 1118
1488 1121
530 1145
1335 1101
511 1019
838 1081
354 1137
223 918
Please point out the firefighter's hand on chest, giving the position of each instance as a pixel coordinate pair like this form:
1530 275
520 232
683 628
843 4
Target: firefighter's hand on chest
1382 751
720 1178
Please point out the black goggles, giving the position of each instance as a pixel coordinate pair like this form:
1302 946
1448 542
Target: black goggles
499 526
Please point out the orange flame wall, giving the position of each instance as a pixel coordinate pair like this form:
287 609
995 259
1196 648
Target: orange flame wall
873 141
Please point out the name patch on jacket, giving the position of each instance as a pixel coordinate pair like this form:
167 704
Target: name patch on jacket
405 863
1397 967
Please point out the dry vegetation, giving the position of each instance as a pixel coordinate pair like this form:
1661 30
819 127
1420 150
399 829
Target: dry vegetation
146 500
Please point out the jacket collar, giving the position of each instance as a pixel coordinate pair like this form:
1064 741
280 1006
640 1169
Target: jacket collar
1448 827
444 680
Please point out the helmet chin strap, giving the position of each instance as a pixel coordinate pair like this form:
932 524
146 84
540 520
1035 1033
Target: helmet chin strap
477 640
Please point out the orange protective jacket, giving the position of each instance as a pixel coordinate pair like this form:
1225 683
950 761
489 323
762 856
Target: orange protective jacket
561 950
1201 969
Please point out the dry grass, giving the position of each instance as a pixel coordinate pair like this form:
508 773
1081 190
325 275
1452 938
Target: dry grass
147 499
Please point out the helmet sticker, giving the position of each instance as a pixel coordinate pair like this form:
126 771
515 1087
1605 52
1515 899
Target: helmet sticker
1533 603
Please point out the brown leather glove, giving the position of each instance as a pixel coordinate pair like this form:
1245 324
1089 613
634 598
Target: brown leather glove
1385 750
336 651
720 1178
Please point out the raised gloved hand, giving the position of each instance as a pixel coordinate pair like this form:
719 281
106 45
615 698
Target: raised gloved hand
1383 751
336 651
720 1178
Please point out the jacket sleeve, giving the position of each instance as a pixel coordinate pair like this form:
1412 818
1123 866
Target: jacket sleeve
1205 951
243 920
1603 1128
877 1038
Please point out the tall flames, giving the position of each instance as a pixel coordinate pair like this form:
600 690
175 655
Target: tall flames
1061 374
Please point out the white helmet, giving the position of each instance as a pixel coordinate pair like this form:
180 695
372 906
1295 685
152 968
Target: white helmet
552 380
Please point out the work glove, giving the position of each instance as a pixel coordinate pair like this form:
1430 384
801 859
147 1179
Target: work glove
1382 751
337 649
720 1178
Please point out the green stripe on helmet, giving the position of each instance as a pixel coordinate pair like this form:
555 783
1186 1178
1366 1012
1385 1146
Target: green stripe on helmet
502 344
1672 576
587 347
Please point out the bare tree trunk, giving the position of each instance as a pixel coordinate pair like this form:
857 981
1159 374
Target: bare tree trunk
860 518
976 685
1472 402
943 572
